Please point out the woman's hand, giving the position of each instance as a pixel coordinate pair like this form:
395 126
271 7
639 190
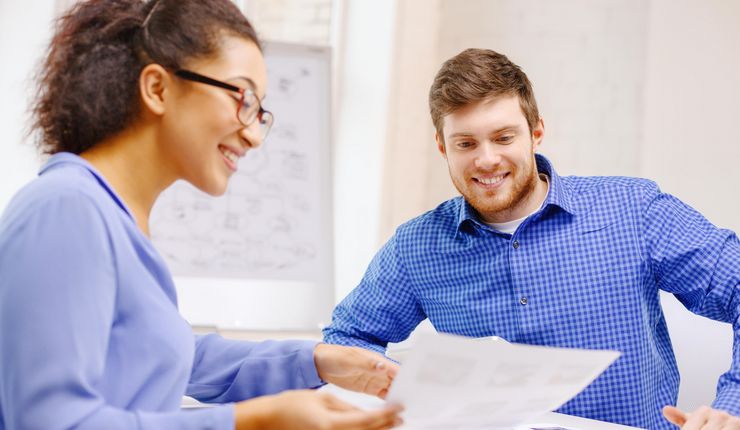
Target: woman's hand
702 418
355 368
310 410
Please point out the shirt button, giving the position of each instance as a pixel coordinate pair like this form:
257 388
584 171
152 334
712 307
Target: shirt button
523 301
515 244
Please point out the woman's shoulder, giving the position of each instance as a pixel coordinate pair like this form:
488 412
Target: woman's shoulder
55 193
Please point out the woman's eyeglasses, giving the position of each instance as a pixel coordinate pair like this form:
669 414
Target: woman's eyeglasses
249 105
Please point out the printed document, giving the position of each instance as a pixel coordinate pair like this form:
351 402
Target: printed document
452 382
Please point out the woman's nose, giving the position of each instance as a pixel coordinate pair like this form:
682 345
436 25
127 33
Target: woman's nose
251 134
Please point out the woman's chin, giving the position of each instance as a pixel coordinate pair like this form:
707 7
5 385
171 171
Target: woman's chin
213 188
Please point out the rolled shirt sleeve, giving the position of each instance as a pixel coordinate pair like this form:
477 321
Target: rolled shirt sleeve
383 308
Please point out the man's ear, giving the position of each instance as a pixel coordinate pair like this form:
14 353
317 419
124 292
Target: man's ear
153 87
538 134
441 145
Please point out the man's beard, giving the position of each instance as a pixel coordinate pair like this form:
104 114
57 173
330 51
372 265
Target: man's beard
493 202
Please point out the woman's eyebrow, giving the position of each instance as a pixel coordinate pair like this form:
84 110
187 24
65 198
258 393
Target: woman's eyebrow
249 81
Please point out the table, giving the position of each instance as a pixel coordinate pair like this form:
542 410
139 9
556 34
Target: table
575 423
550 419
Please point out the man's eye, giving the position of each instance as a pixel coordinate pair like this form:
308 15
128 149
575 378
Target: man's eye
505 139
465 144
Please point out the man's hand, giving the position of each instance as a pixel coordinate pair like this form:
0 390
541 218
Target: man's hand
355 368
704 418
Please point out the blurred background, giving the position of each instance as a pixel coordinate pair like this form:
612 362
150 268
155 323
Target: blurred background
647 88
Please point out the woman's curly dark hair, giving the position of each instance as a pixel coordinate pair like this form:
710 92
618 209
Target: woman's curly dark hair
88 83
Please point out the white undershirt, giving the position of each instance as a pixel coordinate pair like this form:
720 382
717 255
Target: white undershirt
511 226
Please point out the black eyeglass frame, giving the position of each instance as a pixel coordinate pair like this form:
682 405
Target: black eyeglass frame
259 113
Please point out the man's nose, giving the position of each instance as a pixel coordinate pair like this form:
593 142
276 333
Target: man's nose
488 156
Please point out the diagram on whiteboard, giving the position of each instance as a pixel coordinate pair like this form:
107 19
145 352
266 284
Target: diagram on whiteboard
271 223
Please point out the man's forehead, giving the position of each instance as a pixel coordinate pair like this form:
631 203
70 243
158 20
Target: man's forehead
496 114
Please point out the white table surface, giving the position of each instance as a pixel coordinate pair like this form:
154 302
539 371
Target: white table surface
574 423
550 419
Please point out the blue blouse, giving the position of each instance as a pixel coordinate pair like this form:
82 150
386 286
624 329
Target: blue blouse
90 334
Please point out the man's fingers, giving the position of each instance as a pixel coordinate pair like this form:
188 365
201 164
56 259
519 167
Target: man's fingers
675 415
718 421
707 418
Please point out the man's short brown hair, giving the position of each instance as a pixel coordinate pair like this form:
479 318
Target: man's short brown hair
478 74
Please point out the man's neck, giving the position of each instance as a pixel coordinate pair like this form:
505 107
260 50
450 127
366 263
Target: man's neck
530 204
511 225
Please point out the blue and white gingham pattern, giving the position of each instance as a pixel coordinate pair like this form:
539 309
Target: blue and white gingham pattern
583 272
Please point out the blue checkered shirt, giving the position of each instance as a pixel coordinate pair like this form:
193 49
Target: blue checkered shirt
582 272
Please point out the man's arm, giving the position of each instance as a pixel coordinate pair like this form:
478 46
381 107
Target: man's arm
382 308
700 264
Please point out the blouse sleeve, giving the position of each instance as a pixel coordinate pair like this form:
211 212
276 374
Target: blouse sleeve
57 299
228 370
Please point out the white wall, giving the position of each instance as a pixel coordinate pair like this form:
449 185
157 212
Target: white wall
18 160
411 159
307 22
585 60
362 129
692 104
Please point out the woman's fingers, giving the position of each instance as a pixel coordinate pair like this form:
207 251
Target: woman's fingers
335 404
384 418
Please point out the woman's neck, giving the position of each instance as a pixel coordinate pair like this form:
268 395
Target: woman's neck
134 168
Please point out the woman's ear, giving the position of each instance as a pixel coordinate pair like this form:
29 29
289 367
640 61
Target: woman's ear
154 82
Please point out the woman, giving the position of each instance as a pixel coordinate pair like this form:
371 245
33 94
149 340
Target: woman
133 96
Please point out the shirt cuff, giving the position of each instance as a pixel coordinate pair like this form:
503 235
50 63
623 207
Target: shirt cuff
223 417
308 364
728 400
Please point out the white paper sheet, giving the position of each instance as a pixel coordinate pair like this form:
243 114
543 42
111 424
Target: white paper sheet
454 382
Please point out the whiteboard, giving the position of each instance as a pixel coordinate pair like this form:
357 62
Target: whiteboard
260 257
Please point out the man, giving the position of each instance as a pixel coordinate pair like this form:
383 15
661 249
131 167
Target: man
541 259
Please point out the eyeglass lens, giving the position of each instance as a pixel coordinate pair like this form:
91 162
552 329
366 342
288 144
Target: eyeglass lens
251 110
